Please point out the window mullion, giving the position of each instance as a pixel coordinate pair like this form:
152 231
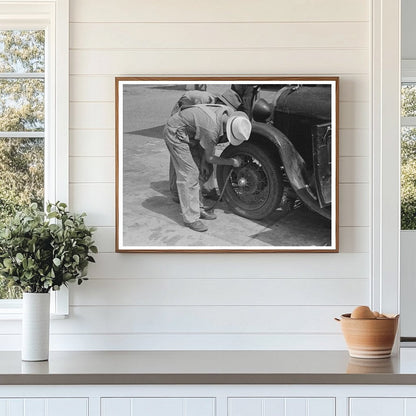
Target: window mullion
22 134
22 75
408 121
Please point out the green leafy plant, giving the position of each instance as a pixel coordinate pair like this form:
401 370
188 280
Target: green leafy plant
43 251
408 179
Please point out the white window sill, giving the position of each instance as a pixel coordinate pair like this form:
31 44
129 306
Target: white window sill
11 309
12 315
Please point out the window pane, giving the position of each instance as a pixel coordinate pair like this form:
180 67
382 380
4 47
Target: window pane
21 173
22 51
22 104
408 100
7 292
21 182
21 109
408 178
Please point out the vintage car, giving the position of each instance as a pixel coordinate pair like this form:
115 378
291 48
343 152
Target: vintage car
288 155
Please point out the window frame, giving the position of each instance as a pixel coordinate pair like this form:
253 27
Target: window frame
53 17
408 75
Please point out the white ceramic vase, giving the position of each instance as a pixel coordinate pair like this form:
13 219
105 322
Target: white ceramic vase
35 326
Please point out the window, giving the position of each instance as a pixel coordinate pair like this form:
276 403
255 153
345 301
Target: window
408 154
33 111
22 124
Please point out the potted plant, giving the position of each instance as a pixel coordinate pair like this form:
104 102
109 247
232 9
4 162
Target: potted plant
40 252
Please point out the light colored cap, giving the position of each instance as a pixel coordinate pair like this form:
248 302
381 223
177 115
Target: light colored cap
238 128
230 98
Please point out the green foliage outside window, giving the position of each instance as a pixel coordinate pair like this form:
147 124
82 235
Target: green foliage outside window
408 160
408 180
21 110
408 104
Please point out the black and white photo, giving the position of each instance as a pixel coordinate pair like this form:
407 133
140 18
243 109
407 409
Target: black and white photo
227 164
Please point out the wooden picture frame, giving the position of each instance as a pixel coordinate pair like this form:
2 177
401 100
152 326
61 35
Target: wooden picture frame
283 197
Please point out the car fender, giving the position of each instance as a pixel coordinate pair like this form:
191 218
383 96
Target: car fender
293 164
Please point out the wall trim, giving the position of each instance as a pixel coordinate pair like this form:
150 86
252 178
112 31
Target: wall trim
385 98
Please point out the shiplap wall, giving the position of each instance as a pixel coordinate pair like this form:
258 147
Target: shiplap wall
218 301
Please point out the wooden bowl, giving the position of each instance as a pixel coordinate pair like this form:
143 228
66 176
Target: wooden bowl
369 338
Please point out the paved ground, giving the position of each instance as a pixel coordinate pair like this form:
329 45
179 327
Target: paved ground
151 218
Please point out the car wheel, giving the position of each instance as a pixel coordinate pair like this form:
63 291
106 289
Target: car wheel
254 190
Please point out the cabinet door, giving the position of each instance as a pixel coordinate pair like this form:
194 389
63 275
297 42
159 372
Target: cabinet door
258 406
160 406
44 407
382 407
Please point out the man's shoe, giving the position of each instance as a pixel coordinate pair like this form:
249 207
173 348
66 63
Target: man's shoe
205 215
196 226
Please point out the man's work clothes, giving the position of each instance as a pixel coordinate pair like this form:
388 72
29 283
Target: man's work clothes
188 99
193 126
193 97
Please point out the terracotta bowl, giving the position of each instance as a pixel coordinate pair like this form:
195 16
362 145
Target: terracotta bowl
369 338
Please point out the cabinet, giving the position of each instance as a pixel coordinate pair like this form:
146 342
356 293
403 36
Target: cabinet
44 407
382 406
208 400
281 407
157 406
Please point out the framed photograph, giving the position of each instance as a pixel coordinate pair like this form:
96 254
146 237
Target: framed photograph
232 164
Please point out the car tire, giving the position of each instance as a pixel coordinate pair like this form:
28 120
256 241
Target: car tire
254 190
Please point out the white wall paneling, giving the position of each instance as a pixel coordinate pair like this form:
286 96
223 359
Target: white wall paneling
353 142
143 341
255 61
221 291
184 11
182 320
354 200
215 301
96 199
92 143
355 265
222 35
86 169
354 170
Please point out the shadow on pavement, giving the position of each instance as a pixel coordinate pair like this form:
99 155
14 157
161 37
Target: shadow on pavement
293 228
163 205
153 132
161 186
